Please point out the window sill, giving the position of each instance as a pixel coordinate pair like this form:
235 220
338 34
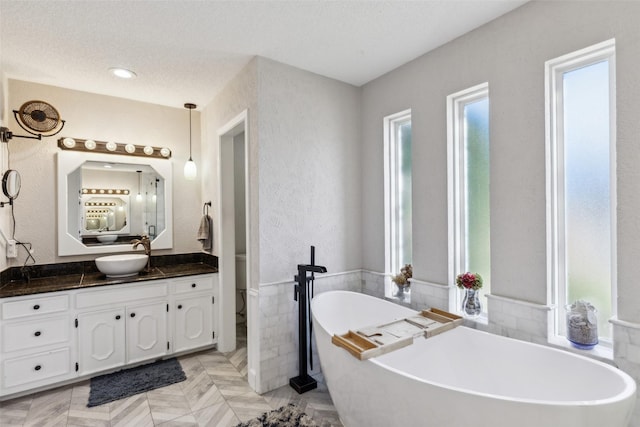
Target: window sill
406 301
599 352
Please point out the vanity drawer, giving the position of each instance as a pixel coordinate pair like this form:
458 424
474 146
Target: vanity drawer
121 294
35 333
34 306
36 367
193 284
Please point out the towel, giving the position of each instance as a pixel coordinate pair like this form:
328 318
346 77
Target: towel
205 233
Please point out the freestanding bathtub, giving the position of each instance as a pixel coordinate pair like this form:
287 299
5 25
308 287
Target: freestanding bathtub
462 377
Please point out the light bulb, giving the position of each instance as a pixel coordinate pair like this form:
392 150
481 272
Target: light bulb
190 170
139 197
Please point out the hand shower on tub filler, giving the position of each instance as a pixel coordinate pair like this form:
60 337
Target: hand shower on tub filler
304 382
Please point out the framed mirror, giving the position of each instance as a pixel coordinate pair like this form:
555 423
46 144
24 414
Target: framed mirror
105 201
11 184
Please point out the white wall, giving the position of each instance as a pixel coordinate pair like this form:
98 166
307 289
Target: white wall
239 193
509 53
309 171
303 142
91 116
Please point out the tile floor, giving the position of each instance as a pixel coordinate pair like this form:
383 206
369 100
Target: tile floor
216 393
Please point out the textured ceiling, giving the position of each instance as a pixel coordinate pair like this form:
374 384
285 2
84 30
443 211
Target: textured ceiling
186 51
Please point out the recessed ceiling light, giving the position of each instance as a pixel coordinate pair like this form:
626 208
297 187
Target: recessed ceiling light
123 73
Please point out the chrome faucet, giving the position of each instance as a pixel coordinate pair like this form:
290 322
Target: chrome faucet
146 244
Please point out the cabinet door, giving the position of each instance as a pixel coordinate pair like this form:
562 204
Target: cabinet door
101 340
193 322
146 331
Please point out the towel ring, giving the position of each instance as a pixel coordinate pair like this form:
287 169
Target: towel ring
205 208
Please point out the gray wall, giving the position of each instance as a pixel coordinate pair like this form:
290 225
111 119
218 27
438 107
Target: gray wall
309 171
509 53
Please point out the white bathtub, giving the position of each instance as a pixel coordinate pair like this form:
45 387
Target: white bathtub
462 377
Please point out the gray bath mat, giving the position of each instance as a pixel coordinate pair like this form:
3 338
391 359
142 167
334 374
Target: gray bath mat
125 383
286 416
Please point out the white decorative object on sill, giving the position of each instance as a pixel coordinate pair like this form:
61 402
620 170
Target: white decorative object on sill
582 325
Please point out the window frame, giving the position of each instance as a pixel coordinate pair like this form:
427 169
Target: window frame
456 183
392 265
554 153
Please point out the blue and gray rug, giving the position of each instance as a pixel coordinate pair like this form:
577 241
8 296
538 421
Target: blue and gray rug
128 382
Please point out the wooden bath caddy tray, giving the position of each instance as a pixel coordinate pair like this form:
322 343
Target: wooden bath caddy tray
374 341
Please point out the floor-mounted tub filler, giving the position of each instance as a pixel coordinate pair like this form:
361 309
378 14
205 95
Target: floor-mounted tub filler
461 376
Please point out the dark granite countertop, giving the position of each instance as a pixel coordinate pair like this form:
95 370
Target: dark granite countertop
37 279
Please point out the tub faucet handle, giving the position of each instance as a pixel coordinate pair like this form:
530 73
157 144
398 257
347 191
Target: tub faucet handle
296 289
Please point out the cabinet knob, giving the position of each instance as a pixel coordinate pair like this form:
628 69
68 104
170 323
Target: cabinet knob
179 306
193 285
133 315
36 307
38 367
37 333
118 317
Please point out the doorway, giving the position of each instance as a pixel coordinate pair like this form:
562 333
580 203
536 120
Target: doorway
239 299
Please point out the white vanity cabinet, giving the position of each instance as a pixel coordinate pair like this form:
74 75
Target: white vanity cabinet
35 341
194 302
101 340
121 324
116 337
58 337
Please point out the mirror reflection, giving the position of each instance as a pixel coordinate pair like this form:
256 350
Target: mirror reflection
119 202
105 214
106 200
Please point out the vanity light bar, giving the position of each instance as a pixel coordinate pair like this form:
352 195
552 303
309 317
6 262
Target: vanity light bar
114 191
111 147
92 213
100 204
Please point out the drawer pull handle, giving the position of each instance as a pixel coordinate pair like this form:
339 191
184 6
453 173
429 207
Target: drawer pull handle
36 307
180 307
38 367
118 317
193 285
133 315
38 333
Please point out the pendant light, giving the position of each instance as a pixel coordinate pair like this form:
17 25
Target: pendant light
139 196
190 170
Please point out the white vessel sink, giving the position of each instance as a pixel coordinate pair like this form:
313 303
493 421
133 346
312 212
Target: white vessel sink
121 265
107 238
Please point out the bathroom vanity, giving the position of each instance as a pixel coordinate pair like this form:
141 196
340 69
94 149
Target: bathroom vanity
78 325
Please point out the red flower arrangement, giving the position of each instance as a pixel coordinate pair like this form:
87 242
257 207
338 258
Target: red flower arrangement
469 281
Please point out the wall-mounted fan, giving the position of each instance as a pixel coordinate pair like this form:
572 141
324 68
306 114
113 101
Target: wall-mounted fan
38 118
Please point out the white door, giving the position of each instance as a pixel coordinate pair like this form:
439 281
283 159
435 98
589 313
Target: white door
101 340
146 331
193 318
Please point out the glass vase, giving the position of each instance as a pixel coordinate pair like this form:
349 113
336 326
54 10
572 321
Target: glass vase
471 303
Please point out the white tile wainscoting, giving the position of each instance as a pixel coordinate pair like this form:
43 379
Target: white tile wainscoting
626 355
279 326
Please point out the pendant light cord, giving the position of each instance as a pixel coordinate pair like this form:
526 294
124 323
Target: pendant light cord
190 159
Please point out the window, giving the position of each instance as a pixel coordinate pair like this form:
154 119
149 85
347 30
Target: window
397 175
468 157
581 182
